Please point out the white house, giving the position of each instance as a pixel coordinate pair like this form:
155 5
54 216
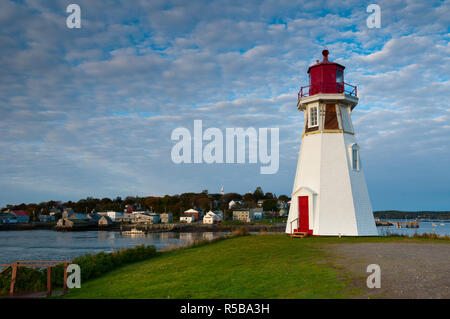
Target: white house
152 218
114 216
8 218
140 212
211 218
329 196
186 219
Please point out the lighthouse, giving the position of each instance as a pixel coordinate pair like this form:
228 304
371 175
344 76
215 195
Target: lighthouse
330 196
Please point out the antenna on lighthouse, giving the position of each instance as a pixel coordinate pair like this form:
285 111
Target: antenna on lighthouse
325 55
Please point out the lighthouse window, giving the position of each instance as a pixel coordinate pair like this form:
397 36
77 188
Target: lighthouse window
339 76
313 116
346 121
355 157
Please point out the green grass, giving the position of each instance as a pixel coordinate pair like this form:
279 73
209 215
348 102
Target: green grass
264 266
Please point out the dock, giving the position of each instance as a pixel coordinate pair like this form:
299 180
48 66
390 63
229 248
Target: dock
383 223
410 224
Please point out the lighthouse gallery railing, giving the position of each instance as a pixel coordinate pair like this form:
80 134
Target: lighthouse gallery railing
327 88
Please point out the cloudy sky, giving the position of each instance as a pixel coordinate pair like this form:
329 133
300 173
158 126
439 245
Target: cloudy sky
90 111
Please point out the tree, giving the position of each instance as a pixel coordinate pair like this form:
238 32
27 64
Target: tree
153 203
231 196
258 193
249 200
270 204
269 196
283 198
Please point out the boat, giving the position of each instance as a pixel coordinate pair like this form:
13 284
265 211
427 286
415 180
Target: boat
433 224
133 231
442 224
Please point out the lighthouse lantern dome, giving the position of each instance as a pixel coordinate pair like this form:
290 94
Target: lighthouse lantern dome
326 76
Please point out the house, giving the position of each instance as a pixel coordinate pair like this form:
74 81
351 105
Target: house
21 216
211 218
219 213
128 209
233 203
71 223
54 211
156 218
114 216
93 218
258 213
128 217
140 212
46 218
260 203
192 212
244 215
8 218
78 216
282 204
105 221
283 212
151 218
166 218
186 219
67 212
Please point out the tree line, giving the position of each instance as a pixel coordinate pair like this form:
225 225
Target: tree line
174 204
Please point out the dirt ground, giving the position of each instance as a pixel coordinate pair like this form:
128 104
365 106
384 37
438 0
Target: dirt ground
408 270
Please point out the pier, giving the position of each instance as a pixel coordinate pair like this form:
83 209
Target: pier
410 224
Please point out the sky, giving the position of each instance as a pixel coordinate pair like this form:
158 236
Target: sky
90 111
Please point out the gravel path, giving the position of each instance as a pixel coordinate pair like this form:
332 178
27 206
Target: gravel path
408 270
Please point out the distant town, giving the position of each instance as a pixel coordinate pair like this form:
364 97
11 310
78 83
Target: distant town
188 208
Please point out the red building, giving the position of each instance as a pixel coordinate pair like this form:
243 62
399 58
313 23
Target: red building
193 213
21 216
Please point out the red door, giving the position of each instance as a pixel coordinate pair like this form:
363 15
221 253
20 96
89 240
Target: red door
303 218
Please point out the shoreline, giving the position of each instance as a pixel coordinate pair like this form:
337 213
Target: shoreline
151 228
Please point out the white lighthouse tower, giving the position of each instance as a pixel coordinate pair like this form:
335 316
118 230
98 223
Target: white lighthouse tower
329 196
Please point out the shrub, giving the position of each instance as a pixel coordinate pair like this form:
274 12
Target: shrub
31 279
242 231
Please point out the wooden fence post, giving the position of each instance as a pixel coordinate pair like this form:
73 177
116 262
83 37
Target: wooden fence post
49 281
13 278
65 277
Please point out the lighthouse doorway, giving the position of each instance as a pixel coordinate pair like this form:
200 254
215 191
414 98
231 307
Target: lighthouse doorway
303 214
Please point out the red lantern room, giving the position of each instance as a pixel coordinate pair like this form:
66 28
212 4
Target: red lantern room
326 77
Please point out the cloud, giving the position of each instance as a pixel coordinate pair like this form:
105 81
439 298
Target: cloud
90 112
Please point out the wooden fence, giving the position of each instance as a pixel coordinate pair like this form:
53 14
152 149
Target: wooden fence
36 264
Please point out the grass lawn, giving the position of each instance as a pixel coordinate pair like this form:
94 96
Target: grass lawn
264 266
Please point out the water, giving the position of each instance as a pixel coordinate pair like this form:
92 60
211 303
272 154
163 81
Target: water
52 245
424 227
